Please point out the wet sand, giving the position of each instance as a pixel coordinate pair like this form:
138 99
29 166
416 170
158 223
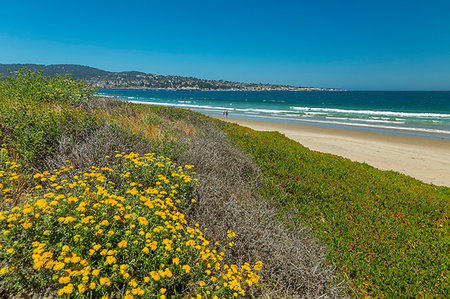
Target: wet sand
425 159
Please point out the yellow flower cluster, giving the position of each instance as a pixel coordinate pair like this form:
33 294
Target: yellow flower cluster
116 230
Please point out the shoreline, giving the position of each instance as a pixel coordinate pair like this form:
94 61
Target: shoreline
425 159
219 89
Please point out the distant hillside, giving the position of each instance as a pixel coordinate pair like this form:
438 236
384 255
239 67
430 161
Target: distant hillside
76 71
138 80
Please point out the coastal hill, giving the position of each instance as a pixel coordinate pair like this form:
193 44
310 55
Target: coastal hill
137 80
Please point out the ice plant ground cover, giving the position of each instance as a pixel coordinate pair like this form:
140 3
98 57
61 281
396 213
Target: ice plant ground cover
116 230
386 232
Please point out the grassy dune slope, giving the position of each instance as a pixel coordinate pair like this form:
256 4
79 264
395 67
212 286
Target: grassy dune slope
85 212
387 232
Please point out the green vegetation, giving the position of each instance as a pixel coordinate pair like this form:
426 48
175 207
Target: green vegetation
36 111
79 217
388 233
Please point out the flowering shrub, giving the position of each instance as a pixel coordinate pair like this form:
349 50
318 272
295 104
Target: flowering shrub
114 231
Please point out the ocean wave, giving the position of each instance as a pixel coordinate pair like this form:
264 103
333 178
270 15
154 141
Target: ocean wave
374 126
186 105
180 105
367 120
373 112
104 95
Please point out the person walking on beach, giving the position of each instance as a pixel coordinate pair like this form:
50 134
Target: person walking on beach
226 113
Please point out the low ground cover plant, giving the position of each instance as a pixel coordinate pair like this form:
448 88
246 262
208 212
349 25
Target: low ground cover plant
386 232
117 231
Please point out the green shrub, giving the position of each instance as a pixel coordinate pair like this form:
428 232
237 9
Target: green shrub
27 85
35 111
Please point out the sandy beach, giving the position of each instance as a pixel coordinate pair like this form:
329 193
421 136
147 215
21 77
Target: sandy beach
425 159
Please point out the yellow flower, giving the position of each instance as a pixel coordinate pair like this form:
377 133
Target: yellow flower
105 281
3 270
186 268
96 272
92 285
64 280
145 250
122 244
258 266
155 276
10 251
82 288
133 283
143 221
163 290
58 266
154 245
133 191
111 260
27 225
75 259
230 234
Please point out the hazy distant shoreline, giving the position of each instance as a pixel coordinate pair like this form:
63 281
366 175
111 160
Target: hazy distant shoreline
134 80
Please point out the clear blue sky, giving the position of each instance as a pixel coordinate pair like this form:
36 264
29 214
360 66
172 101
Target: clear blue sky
391 45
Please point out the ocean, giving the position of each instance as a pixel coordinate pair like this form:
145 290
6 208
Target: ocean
408 113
